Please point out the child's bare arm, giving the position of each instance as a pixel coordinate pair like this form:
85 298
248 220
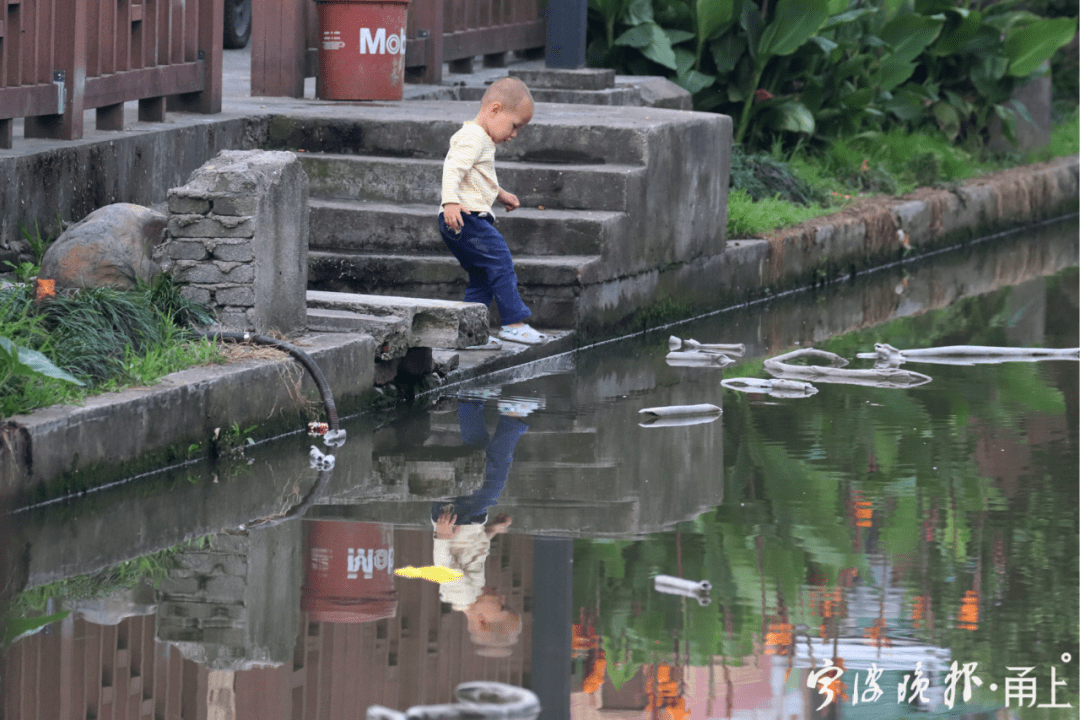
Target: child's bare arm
510 200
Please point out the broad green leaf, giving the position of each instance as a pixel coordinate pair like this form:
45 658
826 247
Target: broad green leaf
659 48
837 6
947 119
908 35
684 61
711 16
638 12
677 36
893 72
726 51
845 18
610 10
826 45
16 627
694 82
31 362
752 22
793 23
859 99
1029 47
638 36
960 27
792 116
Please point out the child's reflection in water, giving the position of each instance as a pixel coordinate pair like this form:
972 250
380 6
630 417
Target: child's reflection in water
463 533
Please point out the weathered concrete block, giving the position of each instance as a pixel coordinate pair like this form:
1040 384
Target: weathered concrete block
212 226
432 323
187 205
390 332
659 92
262 195
561 79
1037 98
235 296
236 205
234 251
915 219
198 294
187 250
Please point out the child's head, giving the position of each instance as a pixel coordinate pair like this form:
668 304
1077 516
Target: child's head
507 106
493 629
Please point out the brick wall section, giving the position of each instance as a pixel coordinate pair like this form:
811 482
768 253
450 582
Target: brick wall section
238 236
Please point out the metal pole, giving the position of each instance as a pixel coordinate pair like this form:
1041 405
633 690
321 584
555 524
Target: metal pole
566 34
552 616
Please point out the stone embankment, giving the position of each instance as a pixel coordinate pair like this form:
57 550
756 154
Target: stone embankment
71 448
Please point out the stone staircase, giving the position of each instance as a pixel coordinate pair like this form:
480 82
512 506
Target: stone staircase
612 197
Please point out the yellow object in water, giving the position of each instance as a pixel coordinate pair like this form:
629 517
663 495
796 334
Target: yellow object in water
434 573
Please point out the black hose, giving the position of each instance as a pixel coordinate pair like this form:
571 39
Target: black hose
300 355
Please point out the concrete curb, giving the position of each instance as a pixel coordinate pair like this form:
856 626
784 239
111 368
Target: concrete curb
927 219
122 433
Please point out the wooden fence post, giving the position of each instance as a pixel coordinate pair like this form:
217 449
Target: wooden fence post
429 19
69 67
209 43
278 48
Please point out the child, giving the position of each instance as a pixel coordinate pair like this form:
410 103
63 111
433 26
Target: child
463 533
467 225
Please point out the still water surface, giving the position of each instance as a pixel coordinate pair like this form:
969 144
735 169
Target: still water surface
886 532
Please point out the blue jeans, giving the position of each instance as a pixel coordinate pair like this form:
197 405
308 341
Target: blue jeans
483 254
472 509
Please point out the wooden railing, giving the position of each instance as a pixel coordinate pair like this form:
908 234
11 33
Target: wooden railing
285 39
59 58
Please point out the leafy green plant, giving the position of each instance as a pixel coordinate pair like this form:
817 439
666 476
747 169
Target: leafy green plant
18 360
830 68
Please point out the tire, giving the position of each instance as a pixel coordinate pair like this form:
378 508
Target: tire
237 23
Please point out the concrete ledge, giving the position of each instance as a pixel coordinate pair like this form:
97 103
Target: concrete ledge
553 78
431 323
116 434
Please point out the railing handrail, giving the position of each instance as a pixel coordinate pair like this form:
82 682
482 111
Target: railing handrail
59 58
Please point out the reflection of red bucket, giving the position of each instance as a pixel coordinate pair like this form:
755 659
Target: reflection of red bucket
349 571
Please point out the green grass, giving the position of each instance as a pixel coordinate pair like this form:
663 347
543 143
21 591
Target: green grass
109 339
889 163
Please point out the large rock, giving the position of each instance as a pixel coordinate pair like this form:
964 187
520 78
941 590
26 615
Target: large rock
110 247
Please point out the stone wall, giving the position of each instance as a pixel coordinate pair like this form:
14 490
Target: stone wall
238 236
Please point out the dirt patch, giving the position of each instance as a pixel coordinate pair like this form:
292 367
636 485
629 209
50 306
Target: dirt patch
235 352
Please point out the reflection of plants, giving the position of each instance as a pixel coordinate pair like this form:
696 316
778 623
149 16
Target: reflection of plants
151 568
24 614
990 571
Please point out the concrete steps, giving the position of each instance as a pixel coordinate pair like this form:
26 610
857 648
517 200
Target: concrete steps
401 228
550 285
619 205
372 178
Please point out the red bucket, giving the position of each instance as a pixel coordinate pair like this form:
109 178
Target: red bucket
349 571
362 49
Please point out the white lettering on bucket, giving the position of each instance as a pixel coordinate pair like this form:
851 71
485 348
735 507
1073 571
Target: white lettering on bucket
380 43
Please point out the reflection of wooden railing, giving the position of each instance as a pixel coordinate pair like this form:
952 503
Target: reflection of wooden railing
285 39
61 57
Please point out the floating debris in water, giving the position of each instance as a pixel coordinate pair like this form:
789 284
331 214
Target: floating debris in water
889 357
678 415
833 371
674 344
697 358
775 388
